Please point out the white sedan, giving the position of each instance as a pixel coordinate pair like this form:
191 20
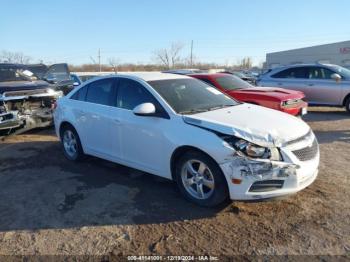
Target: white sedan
180 128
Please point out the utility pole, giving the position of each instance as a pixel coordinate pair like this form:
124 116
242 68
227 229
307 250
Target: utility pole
191 59
99 58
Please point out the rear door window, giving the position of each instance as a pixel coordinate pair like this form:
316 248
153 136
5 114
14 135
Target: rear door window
296 72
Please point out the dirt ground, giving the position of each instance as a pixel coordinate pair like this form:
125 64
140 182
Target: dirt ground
49 205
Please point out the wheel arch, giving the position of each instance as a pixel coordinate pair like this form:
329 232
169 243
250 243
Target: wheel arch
65 124
178 152
346 98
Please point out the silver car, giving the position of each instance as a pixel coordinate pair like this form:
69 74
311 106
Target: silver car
322 84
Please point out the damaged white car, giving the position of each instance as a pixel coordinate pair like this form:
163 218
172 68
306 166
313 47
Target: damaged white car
28 94
182 129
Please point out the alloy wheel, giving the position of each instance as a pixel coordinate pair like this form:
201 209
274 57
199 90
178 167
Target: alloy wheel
197 179
70 143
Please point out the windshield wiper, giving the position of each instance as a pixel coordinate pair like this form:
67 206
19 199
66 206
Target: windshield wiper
218 107
193 111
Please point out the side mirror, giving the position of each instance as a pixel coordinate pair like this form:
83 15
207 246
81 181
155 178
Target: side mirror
145 109
75 84
336 77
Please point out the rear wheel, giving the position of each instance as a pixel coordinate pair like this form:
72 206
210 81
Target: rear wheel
200 179
347 104
71 144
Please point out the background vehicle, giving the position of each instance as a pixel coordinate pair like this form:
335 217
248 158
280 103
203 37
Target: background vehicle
287 101
322 84
183 71
57 75
244 76
26 102
182 129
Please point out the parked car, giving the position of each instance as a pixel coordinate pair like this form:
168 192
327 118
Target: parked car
284 100
322 84
182 129
183 71
26 101
245 77
57 75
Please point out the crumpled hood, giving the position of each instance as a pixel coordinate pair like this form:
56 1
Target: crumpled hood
256 124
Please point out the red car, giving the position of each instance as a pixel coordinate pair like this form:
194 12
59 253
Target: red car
288 101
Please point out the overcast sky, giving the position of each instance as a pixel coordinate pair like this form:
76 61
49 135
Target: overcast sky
223 31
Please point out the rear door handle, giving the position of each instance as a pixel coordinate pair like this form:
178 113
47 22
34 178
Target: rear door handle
310 84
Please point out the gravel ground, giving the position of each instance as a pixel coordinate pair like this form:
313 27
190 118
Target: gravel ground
52 206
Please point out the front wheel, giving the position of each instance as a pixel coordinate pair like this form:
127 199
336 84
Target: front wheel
200 179
72 148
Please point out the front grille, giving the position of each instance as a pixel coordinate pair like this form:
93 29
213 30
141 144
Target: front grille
307 153
266 185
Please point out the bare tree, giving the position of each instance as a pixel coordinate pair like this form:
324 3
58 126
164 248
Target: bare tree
14 57
114 63
169 57
245 63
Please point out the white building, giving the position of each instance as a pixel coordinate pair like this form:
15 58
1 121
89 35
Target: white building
335 53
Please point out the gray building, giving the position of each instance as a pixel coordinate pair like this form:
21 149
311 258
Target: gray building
335 53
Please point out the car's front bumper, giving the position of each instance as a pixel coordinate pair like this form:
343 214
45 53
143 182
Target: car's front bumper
296 110
249 179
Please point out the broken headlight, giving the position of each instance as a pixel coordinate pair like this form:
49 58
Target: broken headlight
251 150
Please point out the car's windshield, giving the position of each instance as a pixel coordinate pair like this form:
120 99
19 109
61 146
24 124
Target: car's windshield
231 82
342 71
190 96
9 74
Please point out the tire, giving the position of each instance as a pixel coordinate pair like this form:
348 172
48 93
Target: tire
71 145
204 184
347 104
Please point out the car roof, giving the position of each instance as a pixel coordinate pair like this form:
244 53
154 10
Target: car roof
302 65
